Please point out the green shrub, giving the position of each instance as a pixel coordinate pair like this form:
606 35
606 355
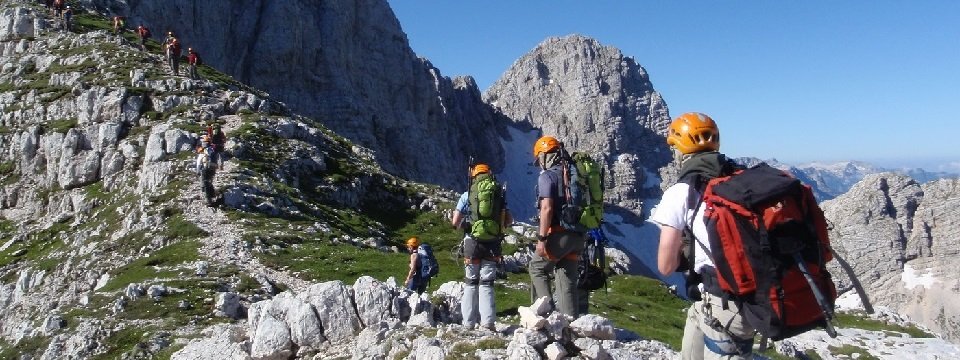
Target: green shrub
7 167
147 268
850 350
860 321
61 126
177 227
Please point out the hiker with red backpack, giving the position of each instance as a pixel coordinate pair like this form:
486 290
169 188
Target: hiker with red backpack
144 33
193 59
697 139
119 23
745 239
58 8
558 247
485 204
173 54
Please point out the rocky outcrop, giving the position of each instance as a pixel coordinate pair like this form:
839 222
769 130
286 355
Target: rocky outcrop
346 64
323 320
901 240
595 100
19 22
96 154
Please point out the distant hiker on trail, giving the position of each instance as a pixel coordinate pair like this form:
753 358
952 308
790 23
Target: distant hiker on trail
219 140
205 168
696 139
166 48
423 265
173 56
144 33
118 24
558 249
58 8
67 22
485 205
193 58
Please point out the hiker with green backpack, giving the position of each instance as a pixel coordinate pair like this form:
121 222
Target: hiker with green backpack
485 204
566 211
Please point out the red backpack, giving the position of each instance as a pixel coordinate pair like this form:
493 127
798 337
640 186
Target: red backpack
770 247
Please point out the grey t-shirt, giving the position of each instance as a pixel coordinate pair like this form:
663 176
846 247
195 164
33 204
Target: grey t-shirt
548 186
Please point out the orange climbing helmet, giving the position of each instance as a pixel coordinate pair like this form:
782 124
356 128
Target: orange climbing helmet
413 242
545 144
694 132
478 169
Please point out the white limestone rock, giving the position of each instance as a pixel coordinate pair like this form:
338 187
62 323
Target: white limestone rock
593 326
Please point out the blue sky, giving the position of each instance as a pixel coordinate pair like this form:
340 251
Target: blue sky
798 81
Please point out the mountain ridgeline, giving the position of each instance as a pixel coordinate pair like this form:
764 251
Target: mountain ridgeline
830 180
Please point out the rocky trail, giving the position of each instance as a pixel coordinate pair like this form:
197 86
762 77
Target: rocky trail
225 243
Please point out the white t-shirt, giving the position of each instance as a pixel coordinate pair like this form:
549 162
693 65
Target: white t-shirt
674 212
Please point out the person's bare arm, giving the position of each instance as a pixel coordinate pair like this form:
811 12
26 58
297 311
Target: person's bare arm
546 214
457 219
413 267
668 253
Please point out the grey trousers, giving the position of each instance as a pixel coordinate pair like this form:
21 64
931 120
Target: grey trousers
698 332
564 272
478 305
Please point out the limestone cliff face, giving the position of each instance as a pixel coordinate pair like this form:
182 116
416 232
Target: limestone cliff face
902 240
347 64
596 100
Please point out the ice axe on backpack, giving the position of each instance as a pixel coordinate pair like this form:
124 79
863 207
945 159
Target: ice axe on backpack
821 300
593 264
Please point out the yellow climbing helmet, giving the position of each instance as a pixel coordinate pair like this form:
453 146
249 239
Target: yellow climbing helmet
478 169
694 132
545 144
413 242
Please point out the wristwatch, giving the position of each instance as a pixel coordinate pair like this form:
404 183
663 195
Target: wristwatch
541 237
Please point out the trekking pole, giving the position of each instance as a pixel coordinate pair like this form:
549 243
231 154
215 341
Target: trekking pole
821 300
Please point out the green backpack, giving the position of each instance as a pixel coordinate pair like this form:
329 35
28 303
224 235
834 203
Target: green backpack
486 208
584 211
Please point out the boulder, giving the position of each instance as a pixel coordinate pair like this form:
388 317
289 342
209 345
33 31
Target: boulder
593 326
333 302
373 299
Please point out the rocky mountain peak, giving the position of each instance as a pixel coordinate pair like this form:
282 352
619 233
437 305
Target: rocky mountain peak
595 100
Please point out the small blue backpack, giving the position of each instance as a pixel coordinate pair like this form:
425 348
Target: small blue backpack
428 263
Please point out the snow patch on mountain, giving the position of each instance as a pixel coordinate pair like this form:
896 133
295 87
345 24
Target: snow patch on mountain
519 173
912 278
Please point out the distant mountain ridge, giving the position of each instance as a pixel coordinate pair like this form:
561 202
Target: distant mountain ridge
832 179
